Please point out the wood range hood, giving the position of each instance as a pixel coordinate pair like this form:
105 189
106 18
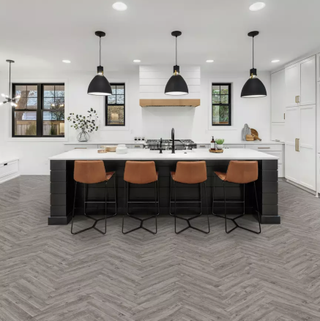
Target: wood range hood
169 102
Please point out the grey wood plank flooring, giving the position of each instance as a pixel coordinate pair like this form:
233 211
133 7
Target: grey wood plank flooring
46 274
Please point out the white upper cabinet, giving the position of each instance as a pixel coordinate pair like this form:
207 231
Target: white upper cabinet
318 68
300 83
292 74
308 81
278 97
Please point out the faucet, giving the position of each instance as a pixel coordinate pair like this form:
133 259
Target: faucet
172 138
160 145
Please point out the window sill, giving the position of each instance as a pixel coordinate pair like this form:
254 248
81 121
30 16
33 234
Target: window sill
222 128
36 139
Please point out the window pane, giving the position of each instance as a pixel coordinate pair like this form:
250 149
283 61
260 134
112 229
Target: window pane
21 91
48 103
215 114
32 91
216 99
27 103
216 90
120 99
59 91
224 99
25 123
120 90
114 89
48 91
225 90
115 115
220 115
111 99
53 123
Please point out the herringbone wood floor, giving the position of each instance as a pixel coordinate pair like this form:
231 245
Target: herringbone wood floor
47 274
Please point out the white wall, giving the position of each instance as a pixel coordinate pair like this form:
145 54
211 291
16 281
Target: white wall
153 122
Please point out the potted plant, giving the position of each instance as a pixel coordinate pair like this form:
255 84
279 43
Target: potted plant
87 124
219 143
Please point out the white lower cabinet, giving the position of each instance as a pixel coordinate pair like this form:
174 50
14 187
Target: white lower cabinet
8 170
300 147
272 149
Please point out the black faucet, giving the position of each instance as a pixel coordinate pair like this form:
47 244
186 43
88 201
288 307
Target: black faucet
160 145
172 138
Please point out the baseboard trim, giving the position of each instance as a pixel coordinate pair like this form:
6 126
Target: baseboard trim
306 189
9 177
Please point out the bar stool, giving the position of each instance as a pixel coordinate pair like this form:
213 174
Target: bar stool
239 172
87 173
189 173
140 173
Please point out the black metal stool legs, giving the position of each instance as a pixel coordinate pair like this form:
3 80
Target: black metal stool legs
88 216
234 220
188 220
157 208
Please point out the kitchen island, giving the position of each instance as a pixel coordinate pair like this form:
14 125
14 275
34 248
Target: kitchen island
62 183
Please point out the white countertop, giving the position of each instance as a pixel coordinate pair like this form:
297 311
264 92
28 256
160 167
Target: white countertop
145 154
141 142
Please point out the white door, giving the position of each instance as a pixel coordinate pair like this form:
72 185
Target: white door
307 162
292 129
278 97
292 85
308 81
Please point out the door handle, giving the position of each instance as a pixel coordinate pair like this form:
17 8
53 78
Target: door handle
297 144
297 99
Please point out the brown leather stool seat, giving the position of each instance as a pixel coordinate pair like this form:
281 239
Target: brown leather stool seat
92 172
239 172
189 173
141 173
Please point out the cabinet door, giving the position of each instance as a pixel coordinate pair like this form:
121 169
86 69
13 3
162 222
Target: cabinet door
318 67
307 162
292 85
278 96
308 81
292 129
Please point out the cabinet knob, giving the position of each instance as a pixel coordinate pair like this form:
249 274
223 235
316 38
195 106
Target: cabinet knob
297 144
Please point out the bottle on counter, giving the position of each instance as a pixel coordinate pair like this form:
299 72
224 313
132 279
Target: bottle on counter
213 143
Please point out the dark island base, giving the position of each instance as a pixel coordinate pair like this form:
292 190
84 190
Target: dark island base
62 190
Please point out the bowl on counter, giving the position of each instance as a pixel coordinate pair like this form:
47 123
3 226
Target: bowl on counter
121 149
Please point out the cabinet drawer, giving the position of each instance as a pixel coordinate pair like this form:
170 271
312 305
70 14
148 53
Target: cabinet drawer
85 147
265 148
8 168
233 146
203 146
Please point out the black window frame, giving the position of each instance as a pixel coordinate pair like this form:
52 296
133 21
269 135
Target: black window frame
124 105
39 111
222 104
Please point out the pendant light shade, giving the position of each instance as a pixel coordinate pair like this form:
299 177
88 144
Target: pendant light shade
8 98
99 85
253 88
176 85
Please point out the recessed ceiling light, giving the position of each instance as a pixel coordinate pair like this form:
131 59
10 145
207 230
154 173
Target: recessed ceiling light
257 6
66 61
210 61
275 61
137 60
120 6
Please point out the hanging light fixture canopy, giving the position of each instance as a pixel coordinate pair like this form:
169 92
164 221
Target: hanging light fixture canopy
8 98
253 88
176 85
99 85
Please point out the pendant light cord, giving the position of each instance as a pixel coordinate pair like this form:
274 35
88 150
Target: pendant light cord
252 52
99 51
176 51
10 80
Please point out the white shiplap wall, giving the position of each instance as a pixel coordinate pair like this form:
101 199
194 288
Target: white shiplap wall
153 80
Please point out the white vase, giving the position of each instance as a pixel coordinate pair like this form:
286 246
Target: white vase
220 146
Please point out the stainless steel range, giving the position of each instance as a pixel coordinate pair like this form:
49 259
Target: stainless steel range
179 144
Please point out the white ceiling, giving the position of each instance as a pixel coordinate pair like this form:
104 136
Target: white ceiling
39 34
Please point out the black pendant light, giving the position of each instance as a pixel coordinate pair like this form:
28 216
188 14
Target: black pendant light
253 88
8 98
99 85
176 85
